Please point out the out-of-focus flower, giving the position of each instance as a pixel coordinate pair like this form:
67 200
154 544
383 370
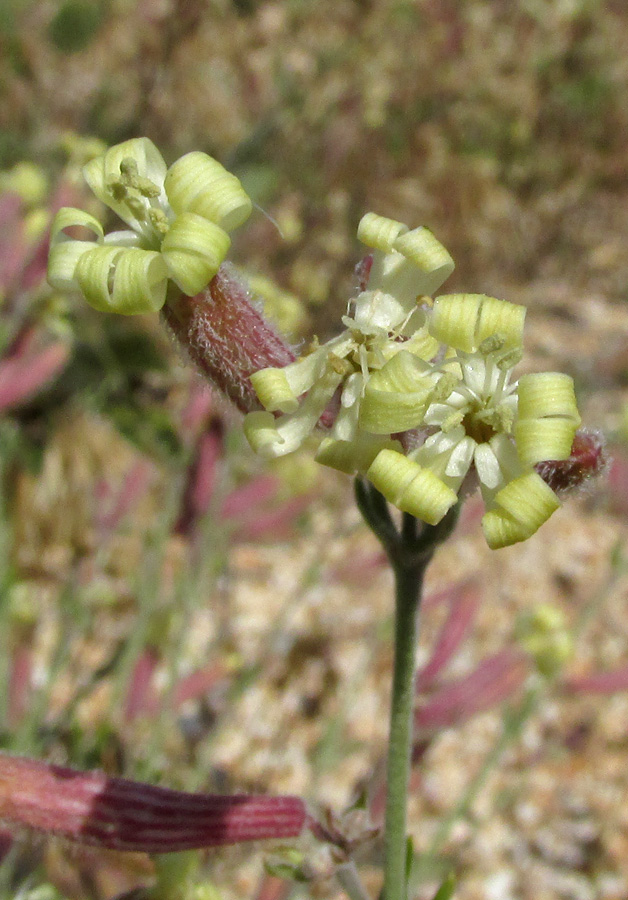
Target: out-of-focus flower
27 180
282 307
179 220
545 637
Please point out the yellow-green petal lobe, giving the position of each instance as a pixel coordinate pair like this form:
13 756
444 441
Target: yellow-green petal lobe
122 281
464 321
502 530
200 184
62 260
522 506
547 394
397 396
94 275
65 251
454 319
140 282
500 317
538 440
68 217
280 391
548 417
261 432
353 456
410 487
428 255
378 232
193 250
274 391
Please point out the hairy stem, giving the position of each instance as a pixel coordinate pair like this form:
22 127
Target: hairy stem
409 581
409 549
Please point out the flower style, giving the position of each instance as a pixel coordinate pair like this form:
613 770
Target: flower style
178 218
385 319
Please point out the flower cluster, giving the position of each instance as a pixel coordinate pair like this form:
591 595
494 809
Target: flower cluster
420 394
415 394
178 218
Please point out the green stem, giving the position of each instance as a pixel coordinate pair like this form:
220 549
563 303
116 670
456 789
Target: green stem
409 581
409 549
349 880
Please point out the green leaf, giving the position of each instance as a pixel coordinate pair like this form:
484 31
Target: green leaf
447 888
409 858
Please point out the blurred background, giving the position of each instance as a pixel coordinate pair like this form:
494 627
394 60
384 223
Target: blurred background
172 609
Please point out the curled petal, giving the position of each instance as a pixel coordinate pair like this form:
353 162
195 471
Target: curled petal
68 217
428 255
543 439
454 320
500 317
193 250
410 487
548 417
128 282
523 506
356 455
62 261
198 183
408 263
261 432
65 251
272 437
547 394
397 396
94 275
280 389
276 437
378 232
464 321
274 391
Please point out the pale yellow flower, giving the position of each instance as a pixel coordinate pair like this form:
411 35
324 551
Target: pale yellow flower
178 218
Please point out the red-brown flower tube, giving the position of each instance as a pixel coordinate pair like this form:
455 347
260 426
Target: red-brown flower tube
118 814
226 336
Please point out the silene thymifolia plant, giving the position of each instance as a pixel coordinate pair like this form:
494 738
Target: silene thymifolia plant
416 397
